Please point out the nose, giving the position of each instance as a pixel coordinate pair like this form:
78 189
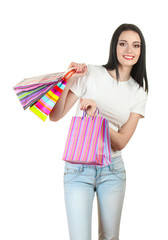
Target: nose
129 48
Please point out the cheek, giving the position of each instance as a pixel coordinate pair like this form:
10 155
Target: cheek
138 52
119 53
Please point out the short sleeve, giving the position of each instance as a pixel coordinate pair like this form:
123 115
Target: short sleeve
139 102
79 87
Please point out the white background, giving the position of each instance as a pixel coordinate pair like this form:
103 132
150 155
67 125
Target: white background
39 37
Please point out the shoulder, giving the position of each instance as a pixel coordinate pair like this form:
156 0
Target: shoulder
95 69
137 89
139 98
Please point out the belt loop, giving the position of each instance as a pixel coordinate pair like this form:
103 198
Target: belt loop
80 169
111 167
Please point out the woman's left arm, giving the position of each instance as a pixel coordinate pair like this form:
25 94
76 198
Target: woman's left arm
120 139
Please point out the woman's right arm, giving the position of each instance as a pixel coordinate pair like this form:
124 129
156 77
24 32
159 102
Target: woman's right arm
67 98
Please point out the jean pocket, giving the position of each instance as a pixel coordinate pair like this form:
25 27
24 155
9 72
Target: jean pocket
120 173
71 171
119 170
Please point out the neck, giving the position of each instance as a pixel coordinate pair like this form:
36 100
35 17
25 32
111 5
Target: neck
124 73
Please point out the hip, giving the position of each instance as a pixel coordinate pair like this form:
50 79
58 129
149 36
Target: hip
92 172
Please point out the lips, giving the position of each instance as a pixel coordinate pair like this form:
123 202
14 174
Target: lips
128 57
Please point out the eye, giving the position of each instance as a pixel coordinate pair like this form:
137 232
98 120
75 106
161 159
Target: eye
122 44
137 45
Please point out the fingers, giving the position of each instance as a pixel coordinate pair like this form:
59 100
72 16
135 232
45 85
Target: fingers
80 68
85 106
86 103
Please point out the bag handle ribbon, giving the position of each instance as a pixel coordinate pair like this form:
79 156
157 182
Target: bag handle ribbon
85 113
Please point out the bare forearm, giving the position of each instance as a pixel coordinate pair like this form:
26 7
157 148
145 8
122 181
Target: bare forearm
117 140
67 98
120 139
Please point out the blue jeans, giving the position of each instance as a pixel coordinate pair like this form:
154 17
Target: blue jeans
80 184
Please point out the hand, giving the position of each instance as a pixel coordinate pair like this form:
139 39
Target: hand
89 105
81 69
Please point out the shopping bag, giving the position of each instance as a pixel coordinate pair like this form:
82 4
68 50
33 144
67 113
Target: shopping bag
88 141
31 90
44 105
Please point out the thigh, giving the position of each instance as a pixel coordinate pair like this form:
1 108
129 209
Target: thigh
110 193
79 194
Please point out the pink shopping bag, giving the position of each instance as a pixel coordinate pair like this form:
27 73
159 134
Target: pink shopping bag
88 141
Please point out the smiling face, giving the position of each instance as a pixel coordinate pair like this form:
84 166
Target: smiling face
128 48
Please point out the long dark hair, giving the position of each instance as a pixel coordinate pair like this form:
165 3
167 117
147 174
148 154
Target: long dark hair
138 72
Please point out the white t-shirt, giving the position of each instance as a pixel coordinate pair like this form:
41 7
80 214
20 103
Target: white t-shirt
115 99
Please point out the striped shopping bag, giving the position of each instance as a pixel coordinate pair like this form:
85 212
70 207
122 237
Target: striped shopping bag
44 105
88 141
42 92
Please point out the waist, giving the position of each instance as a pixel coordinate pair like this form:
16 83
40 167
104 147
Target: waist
116 161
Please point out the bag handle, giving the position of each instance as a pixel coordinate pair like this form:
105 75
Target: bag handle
70 72
85 113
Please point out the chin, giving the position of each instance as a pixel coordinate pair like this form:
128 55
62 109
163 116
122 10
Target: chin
128 64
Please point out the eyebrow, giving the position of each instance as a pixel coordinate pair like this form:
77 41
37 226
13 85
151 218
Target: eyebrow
126 41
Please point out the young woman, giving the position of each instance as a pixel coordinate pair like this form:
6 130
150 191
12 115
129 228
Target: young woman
119 89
